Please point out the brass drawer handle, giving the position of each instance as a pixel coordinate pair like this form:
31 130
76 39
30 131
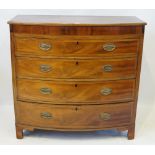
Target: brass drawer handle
46 115
45 68
107 68
106 91
109 47
105 116
45 46
46 91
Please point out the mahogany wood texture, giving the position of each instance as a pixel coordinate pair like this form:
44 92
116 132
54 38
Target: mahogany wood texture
72 116
76 69
77 30
78 48
74 92
62 88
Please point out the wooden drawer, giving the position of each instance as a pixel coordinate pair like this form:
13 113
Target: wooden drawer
89 69
79 48
68 92
71 30
73 117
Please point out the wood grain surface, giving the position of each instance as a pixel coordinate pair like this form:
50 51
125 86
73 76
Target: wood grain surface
76 69
66 87
75 92
73 117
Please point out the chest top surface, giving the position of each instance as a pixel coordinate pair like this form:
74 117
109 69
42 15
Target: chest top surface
56 20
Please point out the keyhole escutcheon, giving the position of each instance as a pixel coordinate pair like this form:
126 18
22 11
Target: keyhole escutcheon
76 109
77 63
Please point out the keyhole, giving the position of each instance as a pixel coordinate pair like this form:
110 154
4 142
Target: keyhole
77 63
77 45
76 109
75 85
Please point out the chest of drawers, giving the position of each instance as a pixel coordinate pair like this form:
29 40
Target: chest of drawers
76 73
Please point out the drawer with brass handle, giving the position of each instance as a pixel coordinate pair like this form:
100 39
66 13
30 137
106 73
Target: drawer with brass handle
80 48
45 68
46 115
107 68
106 91
105 116
109 47
61 116
45 91
58 92
45 46
110 69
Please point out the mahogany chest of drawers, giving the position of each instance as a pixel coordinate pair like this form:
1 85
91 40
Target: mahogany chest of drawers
76 73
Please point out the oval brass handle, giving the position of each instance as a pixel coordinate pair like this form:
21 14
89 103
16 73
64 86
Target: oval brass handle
105 116
107 68
45 46
106 91
46 115
46 91
109 47
45 68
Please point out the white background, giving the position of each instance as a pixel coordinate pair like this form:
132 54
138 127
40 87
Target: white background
146 105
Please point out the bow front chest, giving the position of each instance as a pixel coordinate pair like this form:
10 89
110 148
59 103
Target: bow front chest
76 73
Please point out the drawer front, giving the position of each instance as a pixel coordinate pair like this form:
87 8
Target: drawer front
76 30
73 117
90 69
68 92
80 48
